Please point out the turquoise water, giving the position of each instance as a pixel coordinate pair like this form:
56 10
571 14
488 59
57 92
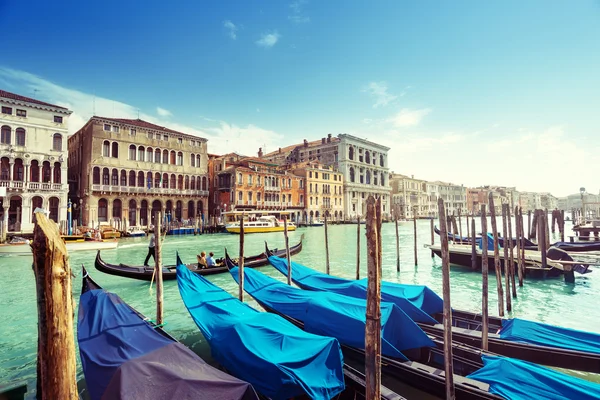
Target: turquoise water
551 301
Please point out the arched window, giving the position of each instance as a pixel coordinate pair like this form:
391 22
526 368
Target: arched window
57 142
5 135
204 183
115 150
172 160
193 160
351 174
34 171
46 173
367 157
114 178
187 183
197 160
140 179
239 180
141 152
18 171
20 133
180 158
57 173
117 209
102 210
382 180
368 176
157 180
149 180
193 183
351 153
157 156
132 179
53 203
165 157
180 182
172 181
123 177
105 177
381 160
165 183
96 174
132 152
149 154
106 149
36 202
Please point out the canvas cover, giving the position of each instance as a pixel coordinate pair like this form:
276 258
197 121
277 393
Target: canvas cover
277 358
516 379
118 348
520 330
332 314
418 302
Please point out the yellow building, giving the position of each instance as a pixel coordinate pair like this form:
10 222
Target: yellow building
323 191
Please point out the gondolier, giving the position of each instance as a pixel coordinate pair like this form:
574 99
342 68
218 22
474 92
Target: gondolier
151 249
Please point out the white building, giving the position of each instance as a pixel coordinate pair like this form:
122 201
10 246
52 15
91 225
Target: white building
33 160
454 196
364 165
409 196
530 201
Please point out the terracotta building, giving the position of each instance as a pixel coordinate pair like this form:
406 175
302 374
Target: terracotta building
129 169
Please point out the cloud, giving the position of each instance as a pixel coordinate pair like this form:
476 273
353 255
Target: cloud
379 90
298 15
408 117
223 137
163 113
231 29
268 39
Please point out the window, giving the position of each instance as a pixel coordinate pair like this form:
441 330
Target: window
240 179
249 197
141 151
165 157
173 158
351 153
301 199
316 175
149 154
157 156
131 178
132 132
7 110
115 129
367 157
5 135
249 179
57 142
96 176
132 150
21 113
20 133
197 160
114 180
240 196
115 150
180 158
106 127
166 138
106 149
193 160
58 119
351 174
180 140
381 161
105 176
310 174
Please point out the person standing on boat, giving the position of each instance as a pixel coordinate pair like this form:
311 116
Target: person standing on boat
151 249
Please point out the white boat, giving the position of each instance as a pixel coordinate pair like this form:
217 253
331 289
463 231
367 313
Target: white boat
267 223
23 248
134 231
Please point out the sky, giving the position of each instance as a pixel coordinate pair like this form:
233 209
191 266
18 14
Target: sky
470 92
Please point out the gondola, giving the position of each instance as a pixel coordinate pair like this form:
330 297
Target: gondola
527 340
124 356
169 271
343 317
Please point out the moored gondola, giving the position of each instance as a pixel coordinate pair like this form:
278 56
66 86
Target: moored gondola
124 356
169 271
526 340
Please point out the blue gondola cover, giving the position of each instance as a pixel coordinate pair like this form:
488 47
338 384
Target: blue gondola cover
332 314
277 358
418 302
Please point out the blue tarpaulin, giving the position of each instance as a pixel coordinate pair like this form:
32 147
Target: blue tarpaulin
418 302
280 360
123 357
520 330
516 379
332 314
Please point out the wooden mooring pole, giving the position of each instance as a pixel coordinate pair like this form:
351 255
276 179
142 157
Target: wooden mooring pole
506 259
397 246
460 227
528 225
448 359
373 317
241 262
522 255
511 252
546 229
56 345
432 236
542 238
287 249
496 257
357 247
519 233
158 269
473 245
484 280
415 233
562 225
287 246
534 225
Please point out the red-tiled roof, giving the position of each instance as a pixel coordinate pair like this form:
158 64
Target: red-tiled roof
13 96
287 149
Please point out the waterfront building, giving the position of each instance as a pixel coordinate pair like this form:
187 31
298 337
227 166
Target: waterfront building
33 161
323 191
409 196
254 184
216 164
130 169
530 201
547 201
454 196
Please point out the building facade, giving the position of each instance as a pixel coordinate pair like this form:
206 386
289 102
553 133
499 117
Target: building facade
454 196
33 161
128 170
409 196
323 191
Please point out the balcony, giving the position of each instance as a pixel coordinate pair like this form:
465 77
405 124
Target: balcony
33 186
140 189
272 188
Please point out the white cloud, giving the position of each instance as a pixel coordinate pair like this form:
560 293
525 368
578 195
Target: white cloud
379 90
231 29
268 39
298 15
408 117
163 112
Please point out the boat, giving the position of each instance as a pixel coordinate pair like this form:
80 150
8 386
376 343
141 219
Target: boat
527 340
134 231
316 222
108 232
262 224
124 356
278 359
170 271
24 249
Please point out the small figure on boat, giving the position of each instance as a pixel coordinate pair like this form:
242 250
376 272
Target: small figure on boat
151 249
210 260
202 262
98 236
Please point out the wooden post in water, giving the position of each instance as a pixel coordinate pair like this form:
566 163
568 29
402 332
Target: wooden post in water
542 238
432 236
357 247
562 225
467 225
528 225
326 245
534 225
506 259
287 248
522 255
546 229
56 346
397 246
473 244
241 262
415 233
511 251
484 280
448 359
158 269
460 226
553 220
496 257
373 317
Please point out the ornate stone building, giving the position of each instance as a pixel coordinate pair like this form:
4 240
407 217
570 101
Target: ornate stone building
129 169
33 161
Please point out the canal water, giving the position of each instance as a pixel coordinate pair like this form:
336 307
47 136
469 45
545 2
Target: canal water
551 300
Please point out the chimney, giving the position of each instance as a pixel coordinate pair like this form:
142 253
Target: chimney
329 138
305 143
280 150
260 153
322 140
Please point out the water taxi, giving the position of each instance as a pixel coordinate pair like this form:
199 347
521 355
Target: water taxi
266 223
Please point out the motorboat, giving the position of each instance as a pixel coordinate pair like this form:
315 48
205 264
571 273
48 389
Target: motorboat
262 224
134 231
